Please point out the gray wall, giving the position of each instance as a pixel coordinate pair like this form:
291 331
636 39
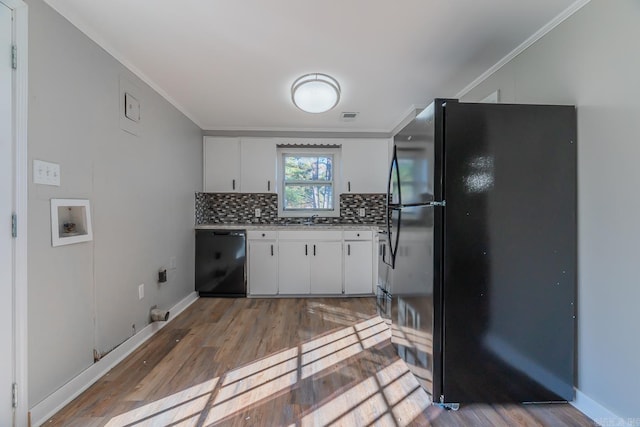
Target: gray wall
141 188
592 61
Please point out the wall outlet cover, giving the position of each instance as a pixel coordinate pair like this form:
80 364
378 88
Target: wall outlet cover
141 291
257 213
129 91
131 107
362 212
46 173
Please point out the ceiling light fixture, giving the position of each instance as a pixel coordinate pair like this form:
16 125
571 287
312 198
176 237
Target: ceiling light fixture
315 93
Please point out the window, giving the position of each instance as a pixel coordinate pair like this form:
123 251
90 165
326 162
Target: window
308 178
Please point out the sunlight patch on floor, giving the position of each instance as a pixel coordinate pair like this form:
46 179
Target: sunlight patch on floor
235 396
338 315
390 397
182 406
341 345
378 400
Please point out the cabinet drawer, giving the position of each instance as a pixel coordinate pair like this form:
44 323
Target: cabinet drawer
358 235
261 235
310 235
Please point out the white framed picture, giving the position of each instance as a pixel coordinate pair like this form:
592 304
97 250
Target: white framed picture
70 221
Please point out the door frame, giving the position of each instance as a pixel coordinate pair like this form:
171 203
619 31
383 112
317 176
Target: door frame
21 168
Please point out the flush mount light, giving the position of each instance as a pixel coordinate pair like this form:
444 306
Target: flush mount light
315 93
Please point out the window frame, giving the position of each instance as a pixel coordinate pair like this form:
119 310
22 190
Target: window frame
282 152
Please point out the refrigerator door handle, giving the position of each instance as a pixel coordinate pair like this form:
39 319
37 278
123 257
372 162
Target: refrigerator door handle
393 167
393 245
393 206
419 205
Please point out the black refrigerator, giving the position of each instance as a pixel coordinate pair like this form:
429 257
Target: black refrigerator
480 251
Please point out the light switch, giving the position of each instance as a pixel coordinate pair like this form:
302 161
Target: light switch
46 173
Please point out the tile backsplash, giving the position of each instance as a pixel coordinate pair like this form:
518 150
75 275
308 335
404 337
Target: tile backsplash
239 208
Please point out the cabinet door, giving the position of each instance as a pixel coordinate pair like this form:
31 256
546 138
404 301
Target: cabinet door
258 165
365 165
358 267
221 168
263 268
293 267
326 267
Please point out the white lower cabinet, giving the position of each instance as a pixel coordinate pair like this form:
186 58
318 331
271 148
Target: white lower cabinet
262 262
326 268
358 267
310 263
263 267
310 267
293 267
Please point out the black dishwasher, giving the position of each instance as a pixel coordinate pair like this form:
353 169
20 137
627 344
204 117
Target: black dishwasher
220 263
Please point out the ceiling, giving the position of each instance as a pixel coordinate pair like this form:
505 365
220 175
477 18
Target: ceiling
229 64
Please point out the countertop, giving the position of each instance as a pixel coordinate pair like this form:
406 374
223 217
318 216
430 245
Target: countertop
373 227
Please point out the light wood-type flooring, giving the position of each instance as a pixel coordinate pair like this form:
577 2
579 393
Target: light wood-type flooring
279 362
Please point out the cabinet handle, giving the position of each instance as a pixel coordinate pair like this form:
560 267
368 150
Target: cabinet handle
349 186
269 185
271 250
314 250
349 250
306 252
233 184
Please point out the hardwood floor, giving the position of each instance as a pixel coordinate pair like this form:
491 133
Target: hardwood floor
279 362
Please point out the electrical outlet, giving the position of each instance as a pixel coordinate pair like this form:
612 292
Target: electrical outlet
141 291
362 212
257 213
172 263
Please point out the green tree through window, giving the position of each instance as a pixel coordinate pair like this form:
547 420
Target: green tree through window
308 182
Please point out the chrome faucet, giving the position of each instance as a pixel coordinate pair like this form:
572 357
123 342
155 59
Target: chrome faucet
310 220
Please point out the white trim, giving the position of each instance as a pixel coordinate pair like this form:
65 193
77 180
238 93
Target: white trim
597 412
565 14
89 32
407 117
492 98
44 410
240 129
20 84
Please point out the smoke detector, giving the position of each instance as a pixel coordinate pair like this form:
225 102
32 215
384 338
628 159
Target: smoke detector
349 116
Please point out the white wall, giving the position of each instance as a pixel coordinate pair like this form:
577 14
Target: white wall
592 60
141 188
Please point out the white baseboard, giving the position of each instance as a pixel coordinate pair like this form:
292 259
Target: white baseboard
45 409
598 413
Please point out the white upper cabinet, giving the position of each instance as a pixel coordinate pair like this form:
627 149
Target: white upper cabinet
249 165
258 165
365 165
221 168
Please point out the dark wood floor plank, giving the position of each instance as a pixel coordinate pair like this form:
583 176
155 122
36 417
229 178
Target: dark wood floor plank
273 362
